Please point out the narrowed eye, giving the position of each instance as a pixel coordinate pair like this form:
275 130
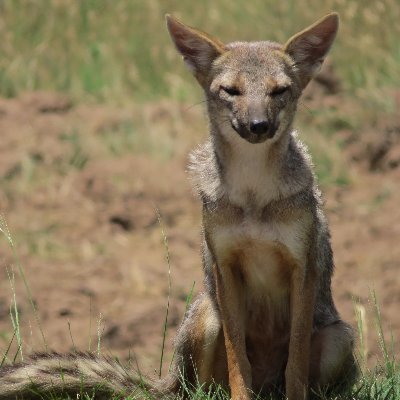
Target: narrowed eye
279 90
232 91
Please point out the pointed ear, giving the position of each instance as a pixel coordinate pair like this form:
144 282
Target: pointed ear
309 47
198 49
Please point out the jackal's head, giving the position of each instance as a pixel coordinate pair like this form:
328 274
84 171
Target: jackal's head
253 87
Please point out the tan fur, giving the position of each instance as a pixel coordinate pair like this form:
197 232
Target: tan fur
266 321
267 255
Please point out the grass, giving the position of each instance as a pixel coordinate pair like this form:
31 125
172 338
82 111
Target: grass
116 50
167 257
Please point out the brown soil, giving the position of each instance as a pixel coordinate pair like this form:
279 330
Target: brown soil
86 230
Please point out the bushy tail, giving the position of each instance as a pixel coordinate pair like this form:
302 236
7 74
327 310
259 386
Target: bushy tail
53 374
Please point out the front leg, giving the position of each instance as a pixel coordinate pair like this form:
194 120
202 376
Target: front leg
302 298
232 310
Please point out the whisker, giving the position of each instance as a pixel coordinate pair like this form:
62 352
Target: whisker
194 105
304 106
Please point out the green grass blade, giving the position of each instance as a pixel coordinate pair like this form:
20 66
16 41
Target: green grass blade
165 241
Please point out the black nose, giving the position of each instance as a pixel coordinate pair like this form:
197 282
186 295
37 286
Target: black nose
259 126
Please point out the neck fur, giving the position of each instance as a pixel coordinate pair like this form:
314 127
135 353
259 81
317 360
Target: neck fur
249 172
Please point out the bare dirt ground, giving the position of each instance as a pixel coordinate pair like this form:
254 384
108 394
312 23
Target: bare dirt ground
81 208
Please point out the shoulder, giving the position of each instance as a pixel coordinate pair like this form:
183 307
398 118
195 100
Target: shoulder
205 172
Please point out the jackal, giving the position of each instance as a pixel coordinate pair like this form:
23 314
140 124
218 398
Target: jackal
266 321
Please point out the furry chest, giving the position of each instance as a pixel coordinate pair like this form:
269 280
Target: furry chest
262 255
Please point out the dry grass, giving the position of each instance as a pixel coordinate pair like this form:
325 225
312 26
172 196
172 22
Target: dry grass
117 50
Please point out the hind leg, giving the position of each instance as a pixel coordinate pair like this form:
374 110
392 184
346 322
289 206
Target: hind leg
200 352
332 361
